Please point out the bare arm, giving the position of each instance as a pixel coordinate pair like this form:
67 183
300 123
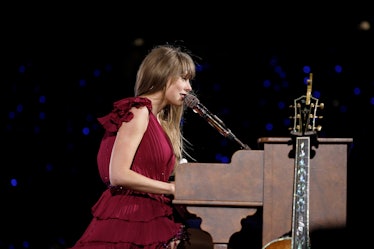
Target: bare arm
127 141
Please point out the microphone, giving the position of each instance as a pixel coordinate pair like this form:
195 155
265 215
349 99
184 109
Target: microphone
193 102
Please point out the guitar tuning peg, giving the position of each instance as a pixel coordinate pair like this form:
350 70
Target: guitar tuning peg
318 128
322 105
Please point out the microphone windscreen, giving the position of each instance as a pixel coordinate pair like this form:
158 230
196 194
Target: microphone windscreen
191 101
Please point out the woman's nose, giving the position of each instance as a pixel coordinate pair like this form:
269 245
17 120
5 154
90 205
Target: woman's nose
188 87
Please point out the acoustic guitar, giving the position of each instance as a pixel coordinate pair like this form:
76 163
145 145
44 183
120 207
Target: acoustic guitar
304 137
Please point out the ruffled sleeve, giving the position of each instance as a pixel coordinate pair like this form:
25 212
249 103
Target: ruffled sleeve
121 112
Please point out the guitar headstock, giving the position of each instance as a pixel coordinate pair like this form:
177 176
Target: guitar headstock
305 113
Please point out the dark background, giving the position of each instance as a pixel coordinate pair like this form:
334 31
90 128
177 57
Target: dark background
63 66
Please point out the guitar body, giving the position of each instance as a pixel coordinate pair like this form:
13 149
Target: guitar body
281 243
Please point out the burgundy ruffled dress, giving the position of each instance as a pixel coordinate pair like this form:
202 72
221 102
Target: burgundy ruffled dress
126 219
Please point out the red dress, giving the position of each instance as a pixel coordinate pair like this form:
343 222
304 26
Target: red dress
126 219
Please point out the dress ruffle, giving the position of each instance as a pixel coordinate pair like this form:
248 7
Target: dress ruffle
146 223
121 113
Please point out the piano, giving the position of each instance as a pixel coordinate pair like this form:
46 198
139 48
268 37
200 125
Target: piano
222 194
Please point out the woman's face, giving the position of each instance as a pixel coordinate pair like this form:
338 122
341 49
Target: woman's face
176 91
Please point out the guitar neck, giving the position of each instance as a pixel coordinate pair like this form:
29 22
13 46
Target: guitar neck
305 133
300 208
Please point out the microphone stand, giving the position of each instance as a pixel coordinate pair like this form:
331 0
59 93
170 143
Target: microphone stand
216 123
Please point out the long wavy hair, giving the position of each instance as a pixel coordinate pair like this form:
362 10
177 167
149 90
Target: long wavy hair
164 63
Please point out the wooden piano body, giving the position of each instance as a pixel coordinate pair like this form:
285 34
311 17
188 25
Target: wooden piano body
223 194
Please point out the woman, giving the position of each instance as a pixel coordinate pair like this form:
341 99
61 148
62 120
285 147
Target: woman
138 153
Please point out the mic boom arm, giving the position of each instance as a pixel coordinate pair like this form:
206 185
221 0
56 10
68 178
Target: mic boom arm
216 123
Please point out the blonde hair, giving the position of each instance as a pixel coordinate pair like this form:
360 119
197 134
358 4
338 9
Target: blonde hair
164 63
